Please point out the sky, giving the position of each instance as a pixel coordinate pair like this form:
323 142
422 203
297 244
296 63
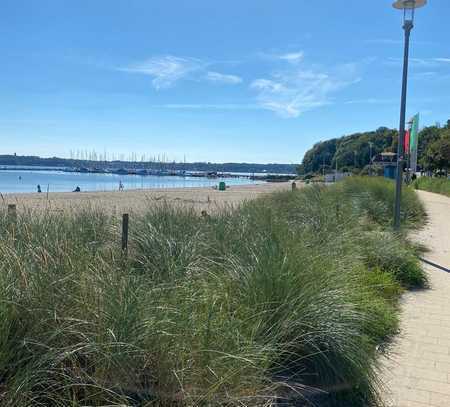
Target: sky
210 80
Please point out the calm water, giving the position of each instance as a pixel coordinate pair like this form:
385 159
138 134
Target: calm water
58 181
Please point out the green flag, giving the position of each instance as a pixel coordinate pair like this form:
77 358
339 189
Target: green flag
414 138
414 142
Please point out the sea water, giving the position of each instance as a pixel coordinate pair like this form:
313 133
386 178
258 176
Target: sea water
13 181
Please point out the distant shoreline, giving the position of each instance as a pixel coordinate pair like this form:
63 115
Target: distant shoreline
95 162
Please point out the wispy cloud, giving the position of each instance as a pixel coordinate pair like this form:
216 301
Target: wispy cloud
223 78
289 92
166 70
295 91
292 57
419 62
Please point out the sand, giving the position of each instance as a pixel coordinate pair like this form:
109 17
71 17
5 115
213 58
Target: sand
138 200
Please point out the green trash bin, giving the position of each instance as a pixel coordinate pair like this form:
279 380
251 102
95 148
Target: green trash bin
222 186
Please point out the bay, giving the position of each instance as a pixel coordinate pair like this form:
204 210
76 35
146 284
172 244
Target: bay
15 181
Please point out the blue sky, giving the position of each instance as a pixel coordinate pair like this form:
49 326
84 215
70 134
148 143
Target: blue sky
235 80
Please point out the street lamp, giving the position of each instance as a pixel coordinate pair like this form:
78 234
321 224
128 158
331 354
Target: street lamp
408 7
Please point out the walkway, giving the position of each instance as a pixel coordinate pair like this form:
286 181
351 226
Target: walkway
418 374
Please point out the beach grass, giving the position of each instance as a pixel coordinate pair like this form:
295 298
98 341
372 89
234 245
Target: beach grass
437 185
290 296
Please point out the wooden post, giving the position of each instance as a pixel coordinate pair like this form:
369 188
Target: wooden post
294 186
12 212
125 218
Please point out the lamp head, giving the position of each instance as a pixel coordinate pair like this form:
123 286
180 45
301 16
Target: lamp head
409 4
409 7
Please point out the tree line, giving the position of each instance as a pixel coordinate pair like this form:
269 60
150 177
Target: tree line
352 153
25 161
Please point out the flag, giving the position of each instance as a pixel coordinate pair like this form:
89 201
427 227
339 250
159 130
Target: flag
414 142
407 140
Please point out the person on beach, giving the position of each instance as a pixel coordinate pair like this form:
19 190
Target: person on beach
77 189
120 186
39 189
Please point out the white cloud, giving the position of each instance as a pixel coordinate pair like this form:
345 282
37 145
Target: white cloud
445 60
268 85
295 91
293 57
166 70
223 78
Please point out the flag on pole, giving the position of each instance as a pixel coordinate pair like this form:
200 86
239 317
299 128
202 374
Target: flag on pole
406 142
414 142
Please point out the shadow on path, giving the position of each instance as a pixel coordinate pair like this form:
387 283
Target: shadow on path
430 263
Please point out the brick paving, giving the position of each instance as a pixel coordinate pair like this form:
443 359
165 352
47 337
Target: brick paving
417 373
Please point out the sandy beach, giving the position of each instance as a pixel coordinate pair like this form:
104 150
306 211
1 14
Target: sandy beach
138 200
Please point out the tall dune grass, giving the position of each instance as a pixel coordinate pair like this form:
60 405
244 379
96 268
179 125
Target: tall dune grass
286 297
436 185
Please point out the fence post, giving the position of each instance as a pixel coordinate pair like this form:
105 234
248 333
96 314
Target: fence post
125 218
12 212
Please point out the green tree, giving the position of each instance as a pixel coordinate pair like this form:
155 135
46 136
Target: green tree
352 152
427 137
437 154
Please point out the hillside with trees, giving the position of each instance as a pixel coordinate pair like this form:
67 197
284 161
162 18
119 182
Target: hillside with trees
352 153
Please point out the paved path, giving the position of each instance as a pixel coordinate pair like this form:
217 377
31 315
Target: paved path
418 374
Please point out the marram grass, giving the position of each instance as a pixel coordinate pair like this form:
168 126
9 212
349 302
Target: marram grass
439 185
255 306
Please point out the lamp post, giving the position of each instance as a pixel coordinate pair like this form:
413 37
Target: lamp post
408 7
